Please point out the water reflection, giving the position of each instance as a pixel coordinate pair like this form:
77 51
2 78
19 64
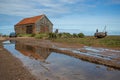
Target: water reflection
60 67
33 51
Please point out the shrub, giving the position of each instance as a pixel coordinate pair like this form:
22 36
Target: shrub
81 35
4 35
19 35
59 35
33 35
41 36
52 35
66 35
75 35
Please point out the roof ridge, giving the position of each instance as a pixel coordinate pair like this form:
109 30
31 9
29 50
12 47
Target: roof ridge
30 19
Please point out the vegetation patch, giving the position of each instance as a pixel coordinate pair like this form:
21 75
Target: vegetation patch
109 41
24 35
41 36
80 38
65 35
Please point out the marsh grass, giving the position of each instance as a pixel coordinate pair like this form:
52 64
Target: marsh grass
38 36
24 35
41 36
109 41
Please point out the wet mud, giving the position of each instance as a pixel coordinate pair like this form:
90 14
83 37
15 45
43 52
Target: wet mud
12 68
48 61
102 56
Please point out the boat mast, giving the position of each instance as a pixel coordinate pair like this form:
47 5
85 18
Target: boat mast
104 29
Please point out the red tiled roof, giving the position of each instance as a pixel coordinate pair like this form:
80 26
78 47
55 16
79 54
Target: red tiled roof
29 20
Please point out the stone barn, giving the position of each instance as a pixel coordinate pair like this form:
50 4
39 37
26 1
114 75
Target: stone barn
34 25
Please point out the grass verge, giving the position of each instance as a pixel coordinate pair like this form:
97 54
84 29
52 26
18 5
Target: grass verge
109 41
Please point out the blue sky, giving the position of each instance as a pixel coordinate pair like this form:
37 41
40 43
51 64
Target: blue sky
72 16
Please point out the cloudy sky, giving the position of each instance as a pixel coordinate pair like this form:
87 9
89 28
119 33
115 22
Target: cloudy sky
72 16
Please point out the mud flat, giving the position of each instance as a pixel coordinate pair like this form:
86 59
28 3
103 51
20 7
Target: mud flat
48 61
109 63
78 52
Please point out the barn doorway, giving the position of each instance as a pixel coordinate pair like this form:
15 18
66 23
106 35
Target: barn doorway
29 29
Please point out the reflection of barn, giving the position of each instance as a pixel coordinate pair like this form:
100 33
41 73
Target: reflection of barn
36 24
35 52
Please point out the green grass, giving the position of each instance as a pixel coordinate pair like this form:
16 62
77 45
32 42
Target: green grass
24 35
41 36
38 36
109 41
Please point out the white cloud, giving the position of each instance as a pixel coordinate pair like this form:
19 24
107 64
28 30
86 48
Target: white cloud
49 7
35 7
72 1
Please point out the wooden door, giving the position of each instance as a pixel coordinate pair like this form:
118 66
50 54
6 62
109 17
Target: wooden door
29 29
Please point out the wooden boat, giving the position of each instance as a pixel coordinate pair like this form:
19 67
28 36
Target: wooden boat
101 34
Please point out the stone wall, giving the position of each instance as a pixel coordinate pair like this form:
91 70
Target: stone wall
44 25
41 26
21 29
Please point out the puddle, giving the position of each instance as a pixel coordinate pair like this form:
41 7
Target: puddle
106 54
47 65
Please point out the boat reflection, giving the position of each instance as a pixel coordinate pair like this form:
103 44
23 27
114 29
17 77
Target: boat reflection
33 51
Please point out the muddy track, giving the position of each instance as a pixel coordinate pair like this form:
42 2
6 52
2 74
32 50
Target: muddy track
108 63
48 44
